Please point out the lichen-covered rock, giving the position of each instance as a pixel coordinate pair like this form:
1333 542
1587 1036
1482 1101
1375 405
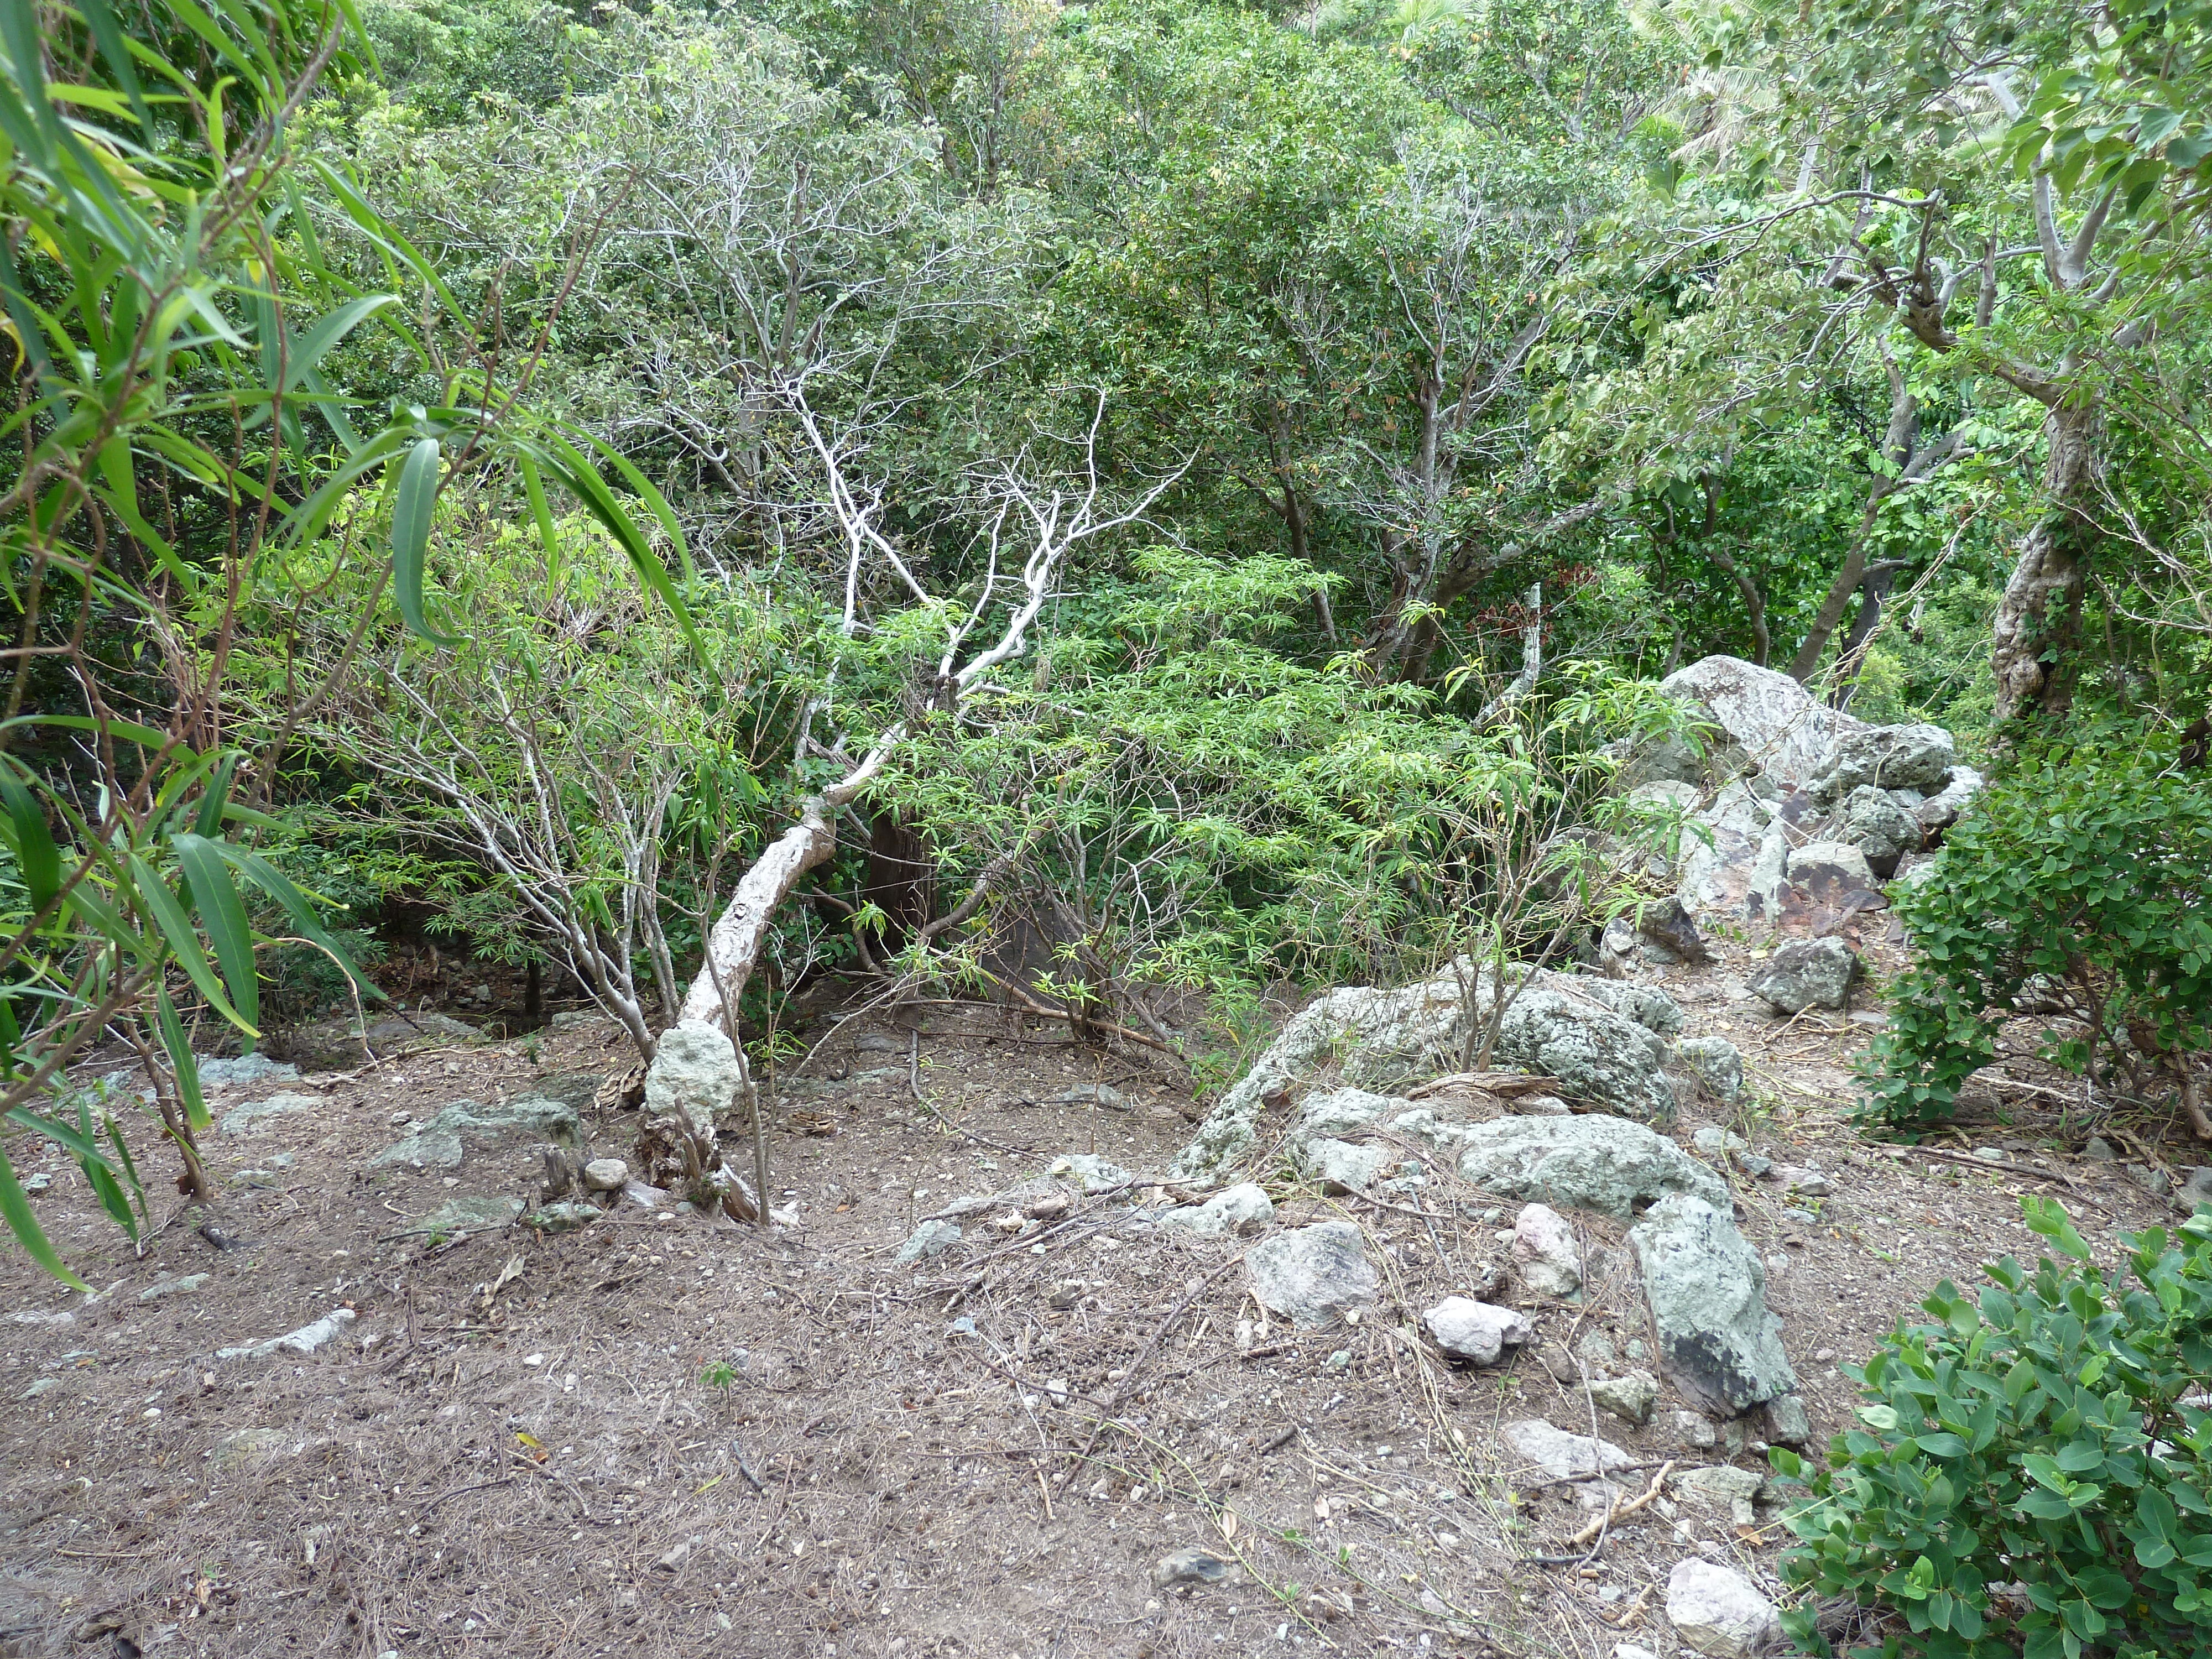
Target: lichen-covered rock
1368 1038
1334 1113
1245 1208
1718 1344
442 1138
1880 826
1604 1163
1717 1063
1560 1455
1813 973
1312 1276
1722 848
1784 729
1345 1167
1556 1028
1648 1005
1632 1398
696 1076
1670 932
334 1045
932 1238
1917 756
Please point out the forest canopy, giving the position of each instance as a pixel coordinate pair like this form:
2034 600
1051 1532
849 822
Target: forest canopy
1120 506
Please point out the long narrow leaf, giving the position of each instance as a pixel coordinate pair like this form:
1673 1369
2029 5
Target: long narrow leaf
102 1180
584 483
182 1062
24 1225
176 925
76 1145
39 860
411 536
272 881
130 1170
210 823
653 499
222 915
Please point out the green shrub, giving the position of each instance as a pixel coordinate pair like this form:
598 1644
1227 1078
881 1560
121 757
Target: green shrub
2086 868
2026 1478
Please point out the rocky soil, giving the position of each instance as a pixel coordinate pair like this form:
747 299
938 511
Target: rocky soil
1035 1355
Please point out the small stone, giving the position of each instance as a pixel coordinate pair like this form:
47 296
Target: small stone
1313 1276
605 1175
1814 973
1476 1332
305 1341
1691 1429
1717 1063
644 1196
1787 1423
2151 1177
1719 1612
929 1240
1192 1565
1096 1175
183 1286
1630 1651
41 1386
1824 1356
1546 1255
1092 1094
2197 1189
38 1182
1990 1154
1632 1398
253 1117
1243 1209
1561 1456
1011 1222
1803 1217
1753 1165
2100 1150
1713 1140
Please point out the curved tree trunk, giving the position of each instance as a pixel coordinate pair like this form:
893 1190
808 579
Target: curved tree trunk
2039 621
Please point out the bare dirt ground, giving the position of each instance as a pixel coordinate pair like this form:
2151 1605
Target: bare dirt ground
661 1436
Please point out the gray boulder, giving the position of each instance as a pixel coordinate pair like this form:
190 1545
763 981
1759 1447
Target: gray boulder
335 1045
254 1116
1650 1007
442 1139
1784 729
1718 1344
1558 1027
1476 1332
1880 826
1839 859
1722 847
1887 756
1604 1163
1717 1063
1368 1038
1313 1276
1548 1259
1814 973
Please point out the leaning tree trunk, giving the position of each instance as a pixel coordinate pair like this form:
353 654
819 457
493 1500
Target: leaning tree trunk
2039 621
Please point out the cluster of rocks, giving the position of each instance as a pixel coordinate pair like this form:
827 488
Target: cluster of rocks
1801 812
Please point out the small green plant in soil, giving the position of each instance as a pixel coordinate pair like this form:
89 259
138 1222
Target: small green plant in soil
2031 1475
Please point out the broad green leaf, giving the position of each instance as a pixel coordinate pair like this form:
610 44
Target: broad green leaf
36 856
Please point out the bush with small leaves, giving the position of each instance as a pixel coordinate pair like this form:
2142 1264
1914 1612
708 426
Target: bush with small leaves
2082 878
2030 1476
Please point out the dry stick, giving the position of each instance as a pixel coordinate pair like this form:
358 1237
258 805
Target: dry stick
1129 1382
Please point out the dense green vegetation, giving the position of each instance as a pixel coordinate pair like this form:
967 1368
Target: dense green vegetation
1209 482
